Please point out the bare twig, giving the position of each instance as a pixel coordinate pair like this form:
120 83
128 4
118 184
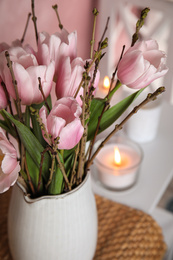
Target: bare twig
7 97
26 27
114 73
29 178
103 35
87 70
55 7
34 19
51 171
139 25
95 12
41 166
9 64
150 97
61 166
84 137
73 173
43 127
42 92
106 104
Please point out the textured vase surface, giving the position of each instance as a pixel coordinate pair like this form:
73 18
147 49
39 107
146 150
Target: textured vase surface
61 227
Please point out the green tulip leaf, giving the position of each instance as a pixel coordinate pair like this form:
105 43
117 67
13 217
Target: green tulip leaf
32 145
33 171
6 124
55 186
110 115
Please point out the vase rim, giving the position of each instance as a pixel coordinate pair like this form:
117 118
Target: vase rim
28 199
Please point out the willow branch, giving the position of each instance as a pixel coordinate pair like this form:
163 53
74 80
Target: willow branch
95 12
106 104
29 178
42 92
55 7
9 64
103 35
34 19
61 166
87 70
83 139
43 127
73 173
51 171
7 97
114 73
139 25
41 166
26 27
150 97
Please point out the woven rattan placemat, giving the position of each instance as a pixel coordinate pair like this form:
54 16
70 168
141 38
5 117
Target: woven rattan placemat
123 233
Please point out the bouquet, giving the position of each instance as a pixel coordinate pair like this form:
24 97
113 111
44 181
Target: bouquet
43 143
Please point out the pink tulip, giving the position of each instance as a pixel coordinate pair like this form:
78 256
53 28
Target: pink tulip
142 64
3 99
63 122
27 71
70 76
9 165
4 46
56 46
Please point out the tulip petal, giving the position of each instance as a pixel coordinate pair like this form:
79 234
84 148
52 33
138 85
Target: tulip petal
71 135
3 99
63 80
7 180
131 67
24 85
55 125
142 64
9 166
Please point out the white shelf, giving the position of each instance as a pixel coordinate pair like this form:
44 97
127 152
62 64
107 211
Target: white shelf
155 173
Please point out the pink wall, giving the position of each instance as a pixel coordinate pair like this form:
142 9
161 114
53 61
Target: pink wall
75 15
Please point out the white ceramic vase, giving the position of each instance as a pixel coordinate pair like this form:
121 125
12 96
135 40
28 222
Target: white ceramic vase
62 227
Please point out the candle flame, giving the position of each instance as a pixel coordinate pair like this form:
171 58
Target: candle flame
117 156
106 82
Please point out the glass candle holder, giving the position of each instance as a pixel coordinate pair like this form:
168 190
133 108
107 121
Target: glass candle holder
118 163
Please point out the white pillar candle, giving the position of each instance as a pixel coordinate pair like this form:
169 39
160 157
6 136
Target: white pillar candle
123 175
143 126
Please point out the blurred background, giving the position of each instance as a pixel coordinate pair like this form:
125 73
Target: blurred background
74 14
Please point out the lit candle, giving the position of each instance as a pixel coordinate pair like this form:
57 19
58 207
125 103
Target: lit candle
118 164
103 89
106 83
